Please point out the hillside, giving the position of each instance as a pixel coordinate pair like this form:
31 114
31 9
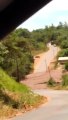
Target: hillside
15 97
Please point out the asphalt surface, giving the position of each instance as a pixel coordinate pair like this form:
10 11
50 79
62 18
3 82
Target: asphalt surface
55 109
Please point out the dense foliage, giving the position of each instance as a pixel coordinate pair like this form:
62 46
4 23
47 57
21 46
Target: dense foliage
17 50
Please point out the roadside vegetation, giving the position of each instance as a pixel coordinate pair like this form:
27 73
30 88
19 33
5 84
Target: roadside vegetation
51 82
15 97
65 81
63 85
17 52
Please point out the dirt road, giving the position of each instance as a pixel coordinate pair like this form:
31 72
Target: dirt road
55 109
42 63
37 79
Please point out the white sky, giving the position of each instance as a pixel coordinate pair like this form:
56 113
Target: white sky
52 13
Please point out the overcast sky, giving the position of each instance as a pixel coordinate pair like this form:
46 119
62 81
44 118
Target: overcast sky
52 13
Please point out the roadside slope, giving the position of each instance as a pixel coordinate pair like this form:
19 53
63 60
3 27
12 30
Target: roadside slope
15 97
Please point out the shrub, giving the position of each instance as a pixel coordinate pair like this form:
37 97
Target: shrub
51 82
63 53
65 80
66 66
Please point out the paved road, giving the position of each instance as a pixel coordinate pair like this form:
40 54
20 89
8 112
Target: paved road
55 109
46 59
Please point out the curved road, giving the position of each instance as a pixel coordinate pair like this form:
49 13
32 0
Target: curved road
55 109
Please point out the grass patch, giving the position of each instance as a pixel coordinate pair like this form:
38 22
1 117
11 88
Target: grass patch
7 83
15 97
63 85
65 81
66 66
51 82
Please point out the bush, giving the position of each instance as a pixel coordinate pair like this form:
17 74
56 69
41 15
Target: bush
63 53
64 44
51 82
65 80
66 66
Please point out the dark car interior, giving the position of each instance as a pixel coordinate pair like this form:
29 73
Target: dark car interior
15 12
